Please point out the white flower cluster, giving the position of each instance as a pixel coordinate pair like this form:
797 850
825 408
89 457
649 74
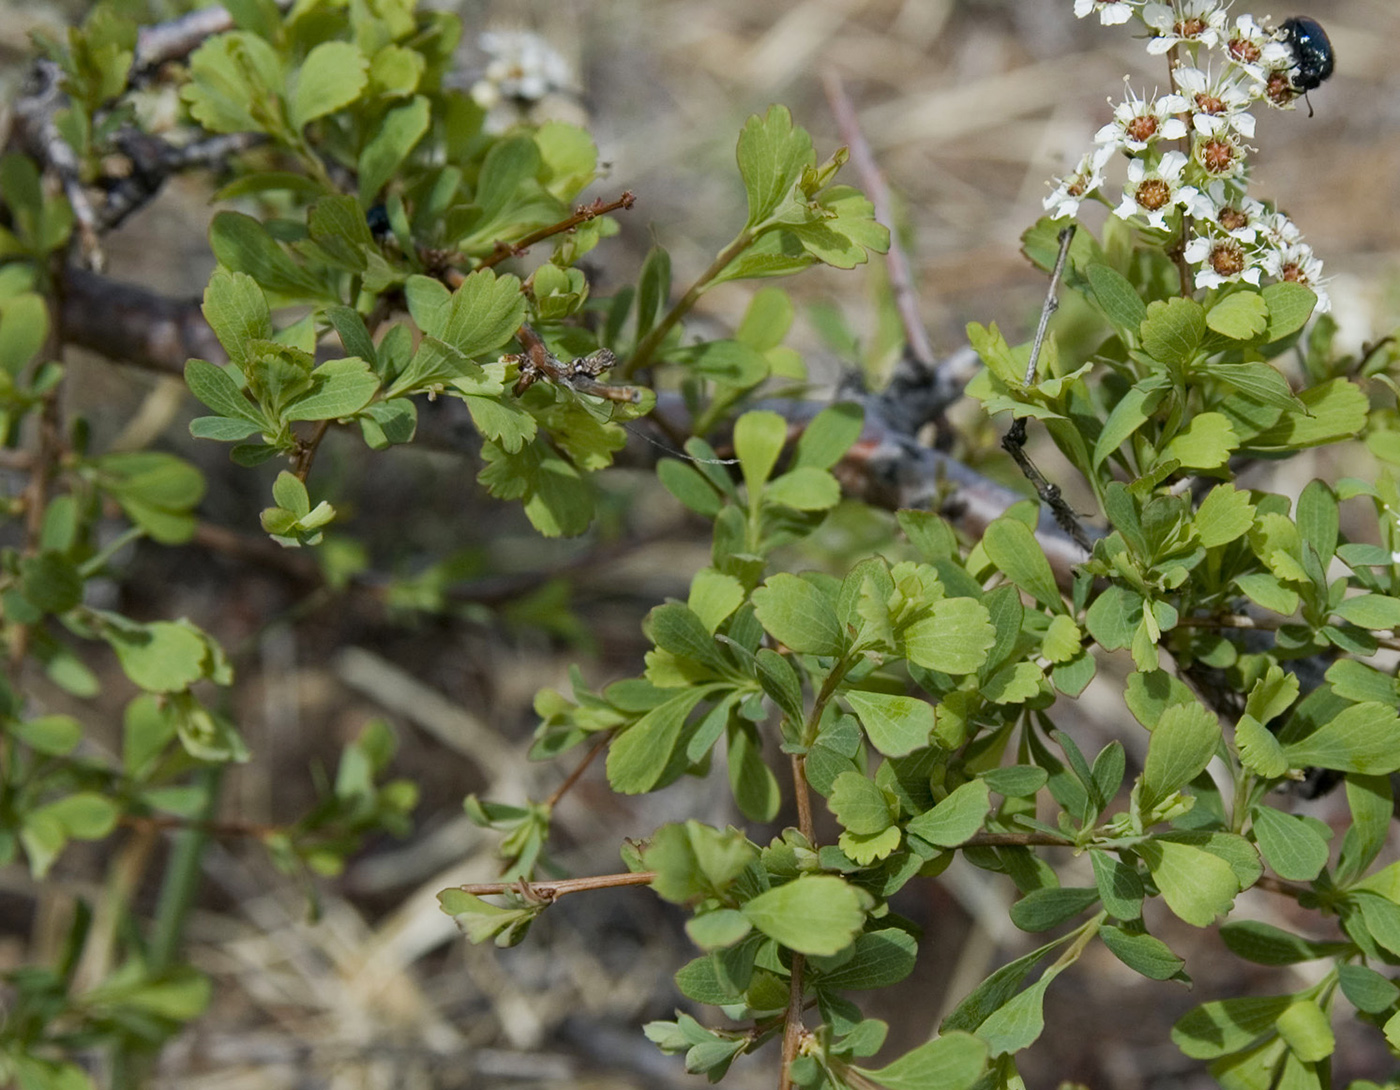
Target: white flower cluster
521 66
1219 72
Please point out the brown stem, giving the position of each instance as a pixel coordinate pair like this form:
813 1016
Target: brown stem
573 777
804 799
306 450
582 214
793 1028
552 891
872 181
228 829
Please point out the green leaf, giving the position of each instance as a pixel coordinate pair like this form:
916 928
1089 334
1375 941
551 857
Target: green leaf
1012 547
1141 953
1015 781
994 991
1172 331
1373 611
715 931
1205 444
1197 885
233 79
50 582
1013 684
1307 1030
772 155
331 77
1265 944
1241 316
242 244
814 914
1120 301
895 725
481 316
830 434
689 486
24 326
237 311
1062 640
221 429
393 140
1292 846
217 389
85 815
480 920
694 862
1371 802
714 596
1260 751
339 388
799 615
953 639
804 489
1366 989
1331 412
1042 909
780 682
1259 382
1114 617
1290 307
1228 1025
880 959
759 438
860 805
675 628
954 1061
1017 1024
639 755
162 657
1130 412
1120 887
55 735
956 819
752 782
1363 738
1182 744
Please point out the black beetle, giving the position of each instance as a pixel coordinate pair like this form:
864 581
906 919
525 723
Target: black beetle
1312 51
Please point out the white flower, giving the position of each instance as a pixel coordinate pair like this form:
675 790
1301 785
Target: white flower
1239 217
1184 21
1217 103
1221 259
1255 51
1111 12
521 66
1137 122
1221 155
1154 193
1295 262
1084 180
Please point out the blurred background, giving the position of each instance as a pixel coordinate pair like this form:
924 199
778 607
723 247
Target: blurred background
969 106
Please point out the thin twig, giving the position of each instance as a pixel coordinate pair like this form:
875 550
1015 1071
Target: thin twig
573 777
552 891
1052 303
1015 441
582 214
872 182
